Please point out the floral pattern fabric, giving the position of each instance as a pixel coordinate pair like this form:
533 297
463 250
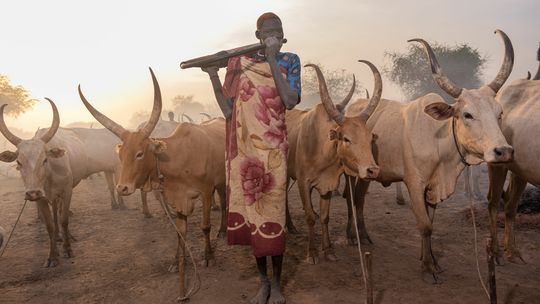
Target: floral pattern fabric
256 158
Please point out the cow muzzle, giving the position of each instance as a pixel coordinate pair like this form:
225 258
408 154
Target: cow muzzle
124 189
369 173
33 195
503 154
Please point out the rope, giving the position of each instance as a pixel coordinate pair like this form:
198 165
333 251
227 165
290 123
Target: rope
196 285
13 229
356 228
469 195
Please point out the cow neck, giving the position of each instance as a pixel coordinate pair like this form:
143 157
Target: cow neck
462 157
160 176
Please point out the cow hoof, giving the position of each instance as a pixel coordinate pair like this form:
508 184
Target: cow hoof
431 278
182 300
313 260
331 257
173 268
122 207
351 241
400 201
365 240
51 262
114 206
515 257
147 215
221 234
68 253
208 262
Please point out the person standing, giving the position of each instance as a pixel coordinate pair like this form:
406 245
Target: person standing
257 90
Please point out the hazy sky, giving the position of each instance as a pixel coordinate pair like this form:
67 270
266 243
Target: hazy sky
49 47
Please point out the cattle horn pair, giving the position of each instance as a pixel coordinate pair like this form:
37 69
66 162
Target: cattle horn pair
117 129
453 90
331 109
15 140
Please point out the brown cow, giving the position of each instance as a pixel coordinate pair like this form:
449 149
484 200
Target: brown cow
191 161
323 144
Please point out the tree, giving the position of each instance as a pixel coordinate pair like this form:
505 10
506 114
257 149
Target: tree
17 97
412 72
338 81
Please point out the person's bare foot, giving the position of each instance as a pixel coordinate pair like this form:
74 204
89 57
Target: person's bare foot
276 297
263 294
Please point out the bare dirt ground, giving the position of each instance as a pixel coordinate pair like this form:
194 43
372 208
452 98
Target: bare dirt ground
122 257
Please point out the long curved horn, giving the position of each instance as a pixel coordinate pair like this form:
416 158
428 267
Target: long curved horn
337 116
12 138
377 91
367 94
55 123
507 65
156 110
343 104
187 117
108 123
528 75
442 80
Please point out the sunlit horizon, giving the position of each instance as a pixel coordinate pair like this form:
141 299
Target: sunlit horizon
107 47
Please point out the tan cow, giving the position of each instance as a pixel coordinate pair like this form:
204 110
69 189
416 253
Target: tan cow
520 101
191 161
323 144
428 152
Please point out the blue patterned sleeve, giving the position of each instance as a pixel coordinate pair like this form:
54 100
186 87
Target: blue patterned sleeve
293 74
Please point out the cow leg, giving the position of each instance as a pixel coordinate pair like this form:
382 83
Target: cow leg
311 218
497 177
423 221
223 206
215 206
206 227
477 193
515 189
325 217
400 200
144 201
56 230
64 220
110 185
360 189
181 224
43 206
288 220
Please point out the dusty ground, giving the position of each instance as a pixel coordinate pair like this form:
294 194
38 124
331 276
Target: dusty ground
121 257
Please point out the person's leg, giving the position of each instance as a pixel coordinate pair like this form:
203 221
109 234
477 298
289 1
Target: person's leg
264 291
276 296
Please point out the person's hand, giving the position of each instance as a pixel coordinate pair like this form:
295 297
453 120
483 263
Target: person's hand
273 45
211 70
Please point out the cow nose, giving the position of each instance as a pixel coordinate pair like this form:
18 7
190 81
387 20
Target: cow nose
33 195
373 172
122 189
504 154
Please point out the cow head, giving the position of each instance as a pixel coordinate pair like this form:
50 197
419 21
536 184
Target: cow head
352 138
32 155
476 114
137 152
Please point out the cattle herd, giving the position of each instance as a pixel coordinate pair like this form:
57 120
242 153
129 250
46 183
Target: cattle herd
425 143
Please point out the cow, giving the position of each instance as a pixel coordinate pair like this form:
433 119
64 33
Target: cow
520 101
162 129
188 166
323 144
427 143
51 164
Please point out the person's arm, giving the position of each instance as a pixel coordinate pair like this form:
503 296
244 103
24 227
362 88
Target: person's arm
225 103
289 97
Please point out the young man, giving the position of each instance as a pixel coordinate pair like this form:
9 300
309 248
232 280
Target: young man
258 89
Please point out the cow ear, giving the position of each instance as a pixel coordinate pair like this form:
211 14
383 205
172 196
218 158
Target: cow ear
439 110
333 134
158 146
56 152
117 148
8 156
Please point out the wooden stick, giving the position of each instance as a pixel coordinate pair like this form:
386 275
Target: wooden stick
491 269
369 279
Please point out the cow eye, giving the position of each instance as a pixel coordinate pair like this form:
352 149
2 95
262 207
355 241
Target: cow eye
346 139
139 155
468 115
45 161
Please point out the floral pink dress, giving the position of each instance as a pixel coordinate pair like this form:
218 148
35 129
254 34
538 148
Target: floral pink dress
256 158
